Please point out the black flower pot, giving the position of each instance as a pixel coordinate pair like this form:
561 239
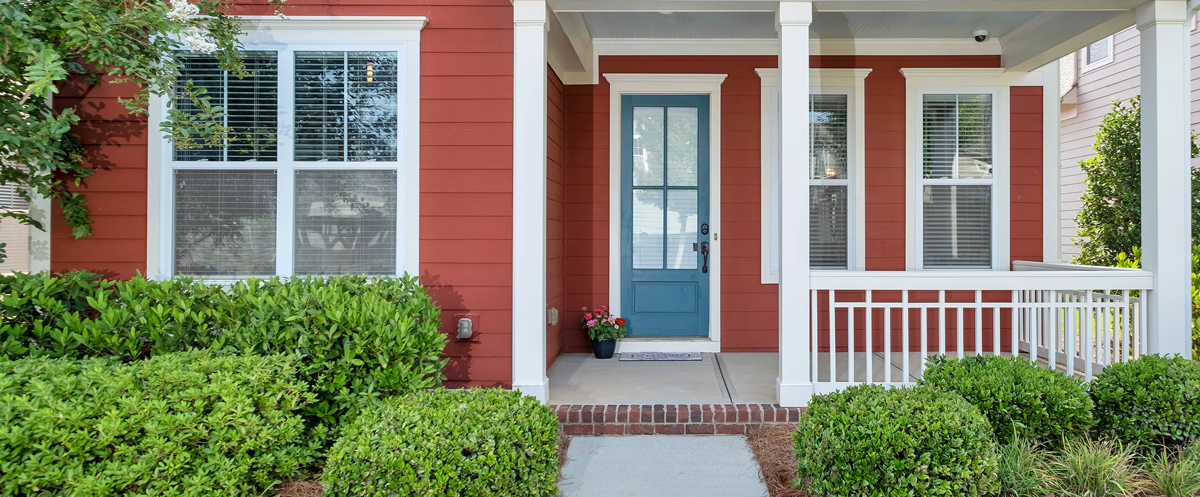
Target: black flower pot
604 348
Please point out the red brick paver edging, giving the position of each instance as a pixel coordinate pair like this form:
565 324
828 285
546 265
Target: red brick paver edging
670 419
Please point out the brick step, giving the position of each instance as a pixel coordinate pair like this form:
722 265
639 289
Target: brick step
670 419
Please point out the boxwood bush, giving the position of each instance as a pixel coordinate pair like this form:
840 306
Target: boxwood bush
1017 397
871 441
192 423
447 443
1152 401
357 339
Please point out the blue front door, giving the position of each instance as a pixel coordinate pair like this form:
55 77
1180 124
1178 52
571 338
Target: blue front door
665 241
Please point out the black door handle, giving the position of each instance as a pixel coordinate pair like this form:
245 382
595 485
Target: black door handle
704 252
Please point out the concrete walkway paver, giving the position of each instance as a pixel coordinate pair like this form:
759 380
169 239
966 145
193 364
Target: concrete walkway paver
661 466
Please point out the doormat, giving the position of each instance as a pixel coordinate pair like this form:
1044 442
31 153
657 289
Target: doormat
660 356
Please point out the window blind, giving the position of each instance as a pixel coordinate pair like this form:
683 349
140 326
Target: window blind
345 222
10 198
225 222
828 224
957 181
829 203
346 106
250 105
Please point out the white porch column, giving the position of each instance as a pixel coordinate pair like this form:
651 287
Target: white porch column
529 199
794 385
1166 174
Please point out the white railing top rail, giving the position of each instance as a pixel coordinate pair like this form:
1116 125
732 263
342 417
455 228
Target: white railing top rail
981 280
1063 266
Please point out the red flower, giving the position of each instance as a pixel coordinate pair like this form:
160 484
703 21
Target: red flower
620 321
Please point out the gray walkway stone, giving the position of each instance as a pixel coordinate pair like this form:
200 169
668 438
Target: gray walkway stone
661 466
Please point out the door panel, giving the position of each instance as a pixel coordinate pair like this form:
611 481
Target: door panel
664 214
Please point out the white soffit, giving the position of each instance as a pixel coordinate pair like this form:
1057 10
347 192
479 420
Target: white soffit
721 25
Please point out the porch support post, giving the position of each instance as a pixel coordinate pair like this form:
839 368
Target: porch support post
795 387
1166 174
529 199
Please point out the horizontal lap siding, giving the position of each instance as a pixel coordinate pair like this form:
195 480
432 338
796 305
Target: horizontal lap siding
1097 88
749 317
115 144
466 173
555 118
1025 177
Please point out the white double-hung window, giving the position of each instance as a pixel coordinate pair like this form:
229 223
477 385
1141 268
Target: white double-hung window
835 168
315 169
957 179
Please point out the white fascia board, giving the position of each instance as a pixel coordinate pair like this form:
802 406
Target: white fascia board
840 5
766 46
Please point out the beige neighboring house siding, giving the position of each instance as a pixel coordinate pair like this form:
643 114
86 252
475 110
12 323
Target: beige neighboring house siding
16 236
1095 90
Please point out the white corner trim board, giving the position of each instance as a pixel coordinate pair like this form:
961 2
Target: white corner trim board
529 199
665 84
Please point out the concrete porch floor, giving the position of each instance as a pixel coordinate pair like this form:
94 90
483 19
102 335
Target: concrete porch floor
728 378
725 378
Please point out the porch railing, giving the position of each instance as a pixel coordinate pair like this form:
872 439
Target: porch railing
881 327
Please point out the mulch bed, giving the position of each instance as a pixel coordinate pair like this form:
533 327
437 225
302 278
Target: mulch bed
312 488
772 447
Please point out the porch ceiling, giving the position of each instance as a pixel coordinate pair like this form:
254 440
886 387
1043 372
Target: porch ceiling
1026 33
761 25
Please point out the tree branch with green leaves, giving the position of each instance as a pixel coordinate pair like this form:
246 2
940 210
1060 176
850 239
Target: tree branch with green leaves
45 44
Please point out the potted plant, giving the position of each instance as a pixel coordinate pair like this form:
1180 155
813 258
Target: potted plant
604 330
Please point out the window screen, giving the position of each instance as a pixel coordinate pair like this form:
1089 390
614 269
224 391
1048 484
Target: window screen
249 103
225 223
829 202
957 180
346 106
345 222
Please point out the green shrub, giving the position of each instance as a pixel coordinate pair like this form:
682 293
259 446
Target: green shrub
1091 468
1151 401
192 423
357 339
447 443
1018 398
872 441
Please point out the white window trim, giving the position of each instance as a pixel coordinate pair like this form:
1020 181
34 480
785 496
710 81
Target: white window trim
1083 63
401 34
666 84
919 81
849 82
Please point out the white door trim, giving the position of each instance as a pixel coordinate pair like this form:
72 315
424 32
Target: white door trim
666 84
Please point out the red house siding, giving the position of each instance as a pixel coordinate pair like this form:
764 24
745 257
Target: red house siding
466 173
749 309
1026 176
116 147
555 117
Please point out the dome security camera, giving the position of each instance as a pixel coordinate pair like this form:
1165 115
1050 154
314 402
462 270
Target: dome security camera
981 35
